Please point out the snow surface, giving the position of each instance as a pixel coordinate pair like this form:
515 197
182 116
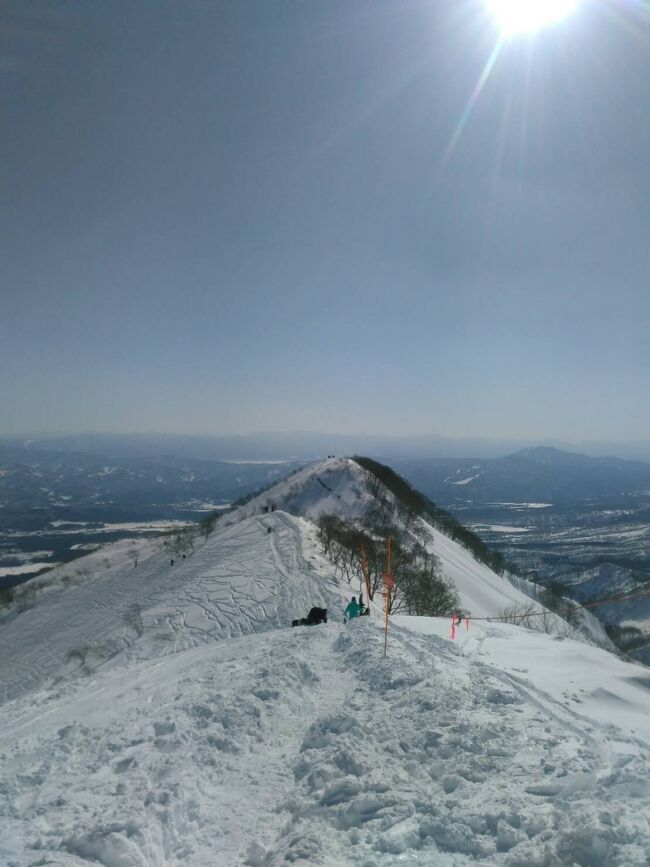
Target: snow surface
339 486
523 505
25 569
501 528
242 580
169 716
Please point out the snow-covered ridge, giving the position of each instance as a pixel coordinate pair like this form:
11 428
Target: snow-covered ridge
98 605
166 714
340 486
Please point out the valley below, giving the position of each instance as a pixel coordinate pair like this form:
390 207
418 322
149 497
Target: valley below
57 506
574 524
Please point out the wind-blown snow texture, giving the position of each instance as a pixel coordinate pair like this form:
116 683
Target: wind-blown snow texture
161 715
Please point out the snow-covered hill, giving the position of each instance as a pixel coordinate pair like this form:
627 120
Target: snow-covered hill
243 579
340 486
168 716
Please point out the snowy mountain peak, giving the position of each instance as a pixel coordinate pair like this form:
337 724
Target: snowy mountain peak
333 485
354 489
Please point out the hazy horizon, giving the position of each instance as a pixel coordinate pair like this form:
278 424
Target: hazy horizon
361 215
307 445
65 432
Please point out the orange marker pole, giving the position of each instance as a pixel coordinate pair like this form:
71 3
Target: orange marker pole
387 595
366 575
390 583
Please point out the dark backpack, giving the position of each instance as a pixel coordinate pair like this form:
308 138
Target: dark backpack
315 616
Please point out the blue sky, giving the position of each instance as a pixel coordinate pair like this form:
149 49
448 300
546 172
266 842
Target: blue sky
236 216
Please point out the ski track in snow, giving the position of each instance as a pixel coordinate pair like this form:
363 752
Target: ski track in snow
242 580
202 731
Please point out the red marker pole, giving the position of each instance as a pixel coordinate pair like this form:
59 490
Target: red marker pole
366 575
390 584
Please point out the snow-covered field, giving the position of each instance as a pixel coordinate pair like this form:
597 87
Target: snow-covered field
169 716
25 569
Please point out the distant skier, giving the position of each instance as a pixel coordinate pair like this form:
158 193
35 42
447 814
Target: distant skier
171 562
353 609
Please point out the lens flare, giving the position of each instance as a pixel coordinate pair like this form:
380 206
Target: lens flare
527 16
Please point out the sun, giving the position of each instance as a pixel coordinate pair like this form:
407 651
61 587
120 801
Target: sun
528 16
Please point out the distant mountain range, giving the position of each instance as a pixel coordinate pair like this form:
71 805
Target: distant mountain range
306 446
56 504
531 475
137 472
38 486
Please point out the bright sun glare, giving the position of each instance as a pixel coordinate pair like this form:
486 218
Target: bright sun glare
527 16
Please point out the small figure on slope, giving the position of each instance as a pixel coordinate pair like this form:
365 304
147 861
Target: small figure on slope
352 610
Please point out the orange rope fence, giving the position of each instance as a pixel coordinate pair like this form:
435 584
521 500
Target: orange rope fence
576 607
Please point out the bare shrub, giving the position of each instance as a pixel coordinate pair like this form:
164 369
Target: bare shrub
531 616
25 598
419 587
207 525
182 541
519 615
425 592
7 596
80 577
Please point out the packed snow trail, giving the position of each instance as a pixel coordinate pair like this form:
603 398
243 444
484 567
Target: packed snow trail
159 764
306 746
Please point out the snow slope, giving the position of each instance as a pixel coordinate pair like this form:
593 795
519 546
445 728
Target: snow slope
340 486
305 746
243 579
104 610
168 716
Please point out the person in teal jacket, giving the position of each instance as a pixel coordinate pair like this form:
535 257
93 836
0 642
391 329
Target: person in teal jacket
353 609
